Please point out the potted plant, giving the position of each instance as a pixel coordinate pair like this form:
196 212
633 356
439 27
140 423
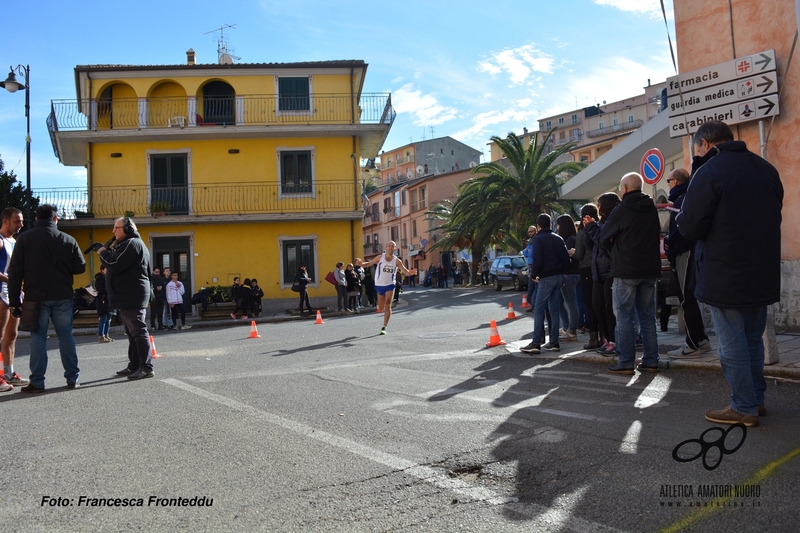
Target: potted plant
84 214
159 208
129 214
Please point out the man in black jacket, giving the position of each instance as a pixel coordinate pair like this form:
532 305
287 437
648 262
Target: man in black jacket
733 210
632 235
680 252
128 283
550 261
46 260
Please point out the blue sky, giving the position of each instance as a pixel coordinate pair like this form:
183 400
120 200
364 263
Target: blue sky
465 69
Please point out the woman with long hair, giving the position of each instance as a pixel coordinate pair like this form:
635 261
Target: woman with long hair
583 253
565 227
601 273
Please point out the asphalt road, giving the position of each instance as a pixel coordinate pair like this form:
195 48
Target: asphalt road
334 428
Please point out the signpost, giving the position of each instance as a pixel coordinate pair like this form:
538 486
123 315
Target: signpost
652 166
735 91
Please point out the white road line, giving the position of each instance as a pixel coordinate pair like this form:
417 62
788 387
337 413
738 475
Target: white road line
421 472
630 443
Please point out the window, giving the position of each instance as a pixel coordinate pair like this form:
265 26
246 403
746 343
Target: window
414 206
298 252
169 182
574 119
296 171
422 198
403 196
413 228
616 122
560 121
601 125
548 125
630 119
294 94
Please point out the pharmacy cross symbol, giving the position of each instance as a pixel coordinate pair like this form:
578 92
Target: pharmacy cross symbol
744 66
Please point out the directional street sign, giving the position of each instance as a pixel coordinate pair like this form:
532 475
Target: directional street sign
735 91
652 166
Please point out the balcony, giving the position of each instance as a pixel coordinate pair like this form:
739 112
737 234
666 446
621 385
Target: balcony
392 213
75 123
568 139
371 218
404 160
262 201
616 128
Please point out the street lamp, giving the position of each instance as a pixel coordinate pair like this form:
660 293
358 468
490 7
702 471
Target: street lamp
12 85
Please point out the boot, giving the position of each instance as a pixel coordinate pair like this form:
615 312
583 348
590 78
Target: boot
592 344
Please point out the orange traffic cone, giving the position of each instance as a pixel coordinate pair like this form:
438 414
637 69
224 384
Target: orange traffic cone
319 317
494 336
525 303
154 354
253 331
511 314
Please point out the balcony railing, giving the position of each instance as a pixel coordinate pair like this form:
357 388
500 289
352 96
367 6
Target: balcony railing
247 110
199 200
406 159
371 218
392 213
625 126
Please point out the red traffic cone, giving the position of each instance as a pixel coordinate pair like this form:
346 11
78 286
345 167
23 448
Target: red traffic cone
494 336
319 317
525 303
153 352
253 331
511 314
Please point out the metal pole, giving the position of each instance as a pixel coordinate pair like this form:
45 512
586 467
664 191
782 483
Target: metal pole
28 218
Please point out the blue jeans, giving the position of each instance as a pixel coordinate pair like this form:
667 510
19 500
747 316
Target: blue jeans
139 354
741 355
60 312
103 323
570 317
547 293
634 297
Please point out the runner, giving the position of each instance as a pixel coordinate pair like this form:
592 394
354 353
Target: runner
385 275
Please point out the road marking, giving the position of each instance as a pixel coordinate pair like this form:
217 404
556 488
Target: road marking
630 443
653 393
421 472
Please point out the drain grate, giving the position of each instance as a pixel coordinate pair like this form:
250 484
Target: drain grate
437 335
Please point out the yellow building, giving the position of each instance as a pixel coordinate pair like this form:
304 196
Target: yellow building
230 170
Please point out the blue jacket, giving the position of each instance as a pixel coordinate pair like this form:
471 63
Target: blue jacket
733 210
527 252
550 256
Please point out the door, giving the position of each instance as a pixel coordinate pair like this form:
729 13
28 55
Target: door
173 253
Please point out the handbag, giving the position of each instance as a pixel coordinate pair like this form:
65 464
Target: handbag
330 278
29 321
295 285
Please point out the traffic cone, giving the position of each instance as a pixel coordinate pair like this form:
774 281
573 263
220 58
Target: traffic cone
494 336
154 354
319 317
253 331
511 314
525 303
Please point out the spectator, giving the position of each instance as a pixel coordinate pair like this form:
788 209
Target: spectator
128 284
103 311
369 285
583 253
341 287
256 294
632 235
175 292
602 282
359 270
680 252
247 297
550 261
303 280
527 253
434 275
11 225
442 276
734 199
485 267
238 297
47 260
569 310
168 323
157 284
353 285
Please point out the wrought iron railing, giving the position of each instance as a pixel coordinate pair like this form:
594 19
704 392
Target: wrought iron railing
371 218
614 128
199 200
247 110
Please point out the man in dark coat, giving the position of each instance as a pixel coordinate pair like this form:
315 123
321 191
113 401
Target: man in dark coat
732 209
46 260
632 234
128 283
158 285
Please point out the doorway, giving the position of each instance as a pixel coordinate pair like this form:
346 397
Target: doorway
173 253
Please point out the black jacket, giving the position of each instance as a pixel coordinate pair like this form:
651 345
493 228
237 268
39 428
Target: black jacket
155 283
675 241
550 256
47 260
128 275
632 234
102 294
601 258
733 210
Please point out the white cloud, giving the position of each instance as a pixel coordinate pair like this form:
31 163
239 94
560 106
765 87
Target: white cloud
480 124
518 63
425 109
652 8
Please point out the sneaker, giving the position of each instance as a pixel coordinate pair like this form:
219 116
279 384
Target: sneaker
109 339
141 374
532 348
186 326
567 336
552 347
383 330
602 347
562 332
125 372
233 316
4 386
729 416
16 380
616 369
609 350
245 317
650 369
690 353
102 340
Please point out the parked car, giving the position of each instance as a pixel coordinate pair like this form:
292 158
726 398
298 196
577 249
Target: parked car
507 269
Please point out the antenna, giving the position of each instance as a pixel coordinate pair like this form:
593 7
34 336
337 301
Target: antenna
224 54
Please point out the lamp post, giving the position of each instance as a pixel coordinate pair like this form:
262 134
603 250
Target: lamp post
12 85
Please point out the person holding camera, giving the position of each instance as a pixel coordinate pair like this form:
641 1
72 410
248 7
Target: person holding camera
46 260
128 284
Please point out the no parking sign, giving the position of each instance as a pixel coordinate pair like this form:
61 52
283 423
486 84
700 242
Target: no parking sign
652 166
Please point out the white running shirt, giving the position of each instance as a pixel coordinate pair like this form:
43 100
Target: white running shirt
386 271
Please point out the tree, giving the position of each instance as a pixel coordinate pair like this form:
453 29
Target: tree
13 193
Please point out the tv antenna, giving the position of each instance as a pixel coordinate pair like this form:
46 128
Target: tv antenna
224 55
